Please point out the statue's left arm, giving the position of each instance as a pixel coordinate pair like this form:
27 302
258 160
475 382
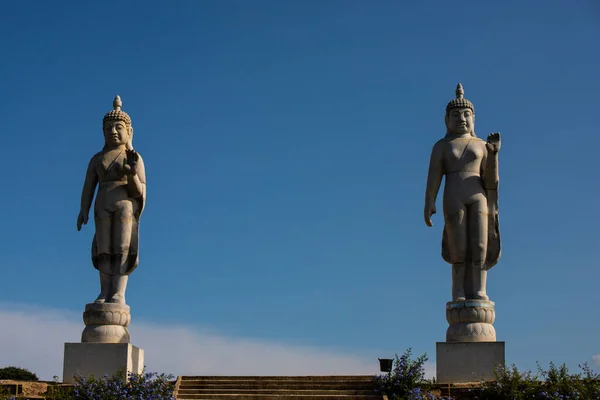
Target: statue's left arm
490 164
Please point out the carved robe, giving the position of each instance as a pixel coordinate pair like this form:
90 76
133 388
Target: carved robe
109 175
494 248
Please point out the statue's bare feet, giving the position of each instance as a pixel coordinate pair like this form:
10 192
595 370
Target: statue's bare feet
458 295
100 299
118 299
481 296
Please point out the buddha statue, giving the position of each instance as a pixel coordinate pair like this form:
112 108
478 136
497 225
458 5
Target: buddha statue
471 236
118 172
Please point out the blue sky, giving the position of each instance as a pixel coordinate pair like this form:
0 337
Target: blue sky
286 146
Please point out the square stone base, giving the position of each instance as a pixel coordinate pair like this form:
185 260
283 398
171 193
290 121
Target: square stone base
97 359
462 362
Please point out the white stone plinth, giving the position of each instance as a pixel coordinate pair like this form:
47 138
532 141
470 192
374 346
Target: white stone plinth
97 359
462 362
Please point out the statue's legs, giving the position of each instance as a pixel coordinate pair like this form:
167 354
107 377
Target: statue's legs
122 228
458 281
103 222
456 226
119 284
105 287
478 235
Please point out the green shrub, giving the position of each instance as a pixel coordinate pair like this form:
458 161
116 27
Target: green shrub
556 383
406 381
18 374
57 391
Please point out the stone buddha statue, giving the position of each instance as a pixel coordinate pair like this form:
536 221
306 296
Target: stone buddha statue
118 172
471 237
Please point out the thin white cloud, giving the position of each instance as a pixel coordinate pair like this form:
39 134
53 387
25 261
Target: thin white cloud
596 359
182 351
33 338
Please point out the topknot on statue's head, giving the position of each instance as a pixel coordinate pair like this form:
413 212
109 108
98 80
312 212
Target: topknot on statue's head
459 101
116 114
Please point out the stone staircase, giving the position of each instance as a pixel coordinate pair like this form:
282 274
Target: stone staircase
275 388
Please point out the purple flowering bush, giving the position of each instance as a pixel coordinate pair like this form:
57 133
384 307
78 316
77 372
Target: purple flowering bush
406 380
144 386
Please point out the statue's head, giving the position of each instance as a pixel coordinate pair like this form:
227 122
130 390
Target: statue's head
116 126
460 114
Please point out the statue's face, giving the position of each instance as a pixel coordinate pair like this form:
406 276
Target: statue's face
115 133
460 121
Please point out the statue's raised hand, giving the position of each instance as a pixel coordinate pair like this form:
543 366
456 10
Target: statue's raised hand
429 211
130 163
82 219
493 143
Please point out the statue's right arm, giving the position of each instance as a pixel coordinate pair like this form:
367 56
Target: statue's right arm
87 193
434 180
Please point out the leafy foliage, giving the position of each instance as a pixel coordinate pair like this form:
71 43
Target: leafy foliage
58 391
144 386
18 374
406 380
556 383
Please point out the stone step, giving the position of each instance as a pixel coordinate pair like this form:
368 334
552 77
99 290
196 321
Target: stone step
336 387
276 385
262 396
330 378
275 391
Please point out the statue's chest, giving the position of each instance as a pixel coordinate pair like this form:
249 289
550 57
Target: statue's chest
110 166
462 152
